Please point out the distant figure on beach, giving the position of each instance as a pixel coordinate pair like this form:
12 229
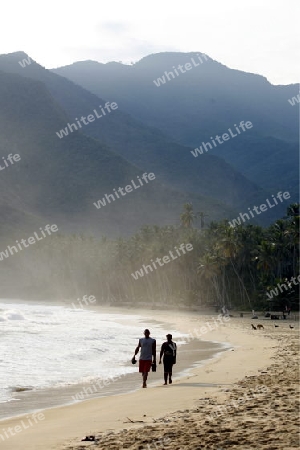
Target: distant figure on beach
148 351
168 351
225 311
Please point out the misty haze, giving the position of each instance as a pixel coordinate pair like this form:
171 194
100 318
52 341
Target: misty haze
149 226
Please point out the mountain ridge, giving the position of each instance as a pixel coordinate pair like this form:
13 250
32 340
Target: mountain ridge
194 106
88 164
138 143
58 180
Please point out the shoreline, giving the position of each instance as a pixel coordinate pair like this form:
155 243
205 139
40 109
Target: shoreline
34 401
37 400
68 424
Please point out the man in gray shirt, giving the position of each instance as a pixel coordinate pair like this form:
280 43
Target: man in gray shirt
148 351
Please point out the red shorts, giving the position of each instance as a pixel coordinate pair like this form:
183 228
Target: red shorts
145 365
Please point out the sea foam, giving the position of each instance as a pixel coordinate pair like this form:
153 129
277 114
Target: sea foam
46 346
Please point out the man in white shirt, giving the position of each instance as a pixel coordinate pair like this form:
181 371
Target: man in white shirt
148 351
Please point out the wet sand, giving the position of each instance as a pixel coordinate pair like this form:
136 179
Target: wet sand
193 353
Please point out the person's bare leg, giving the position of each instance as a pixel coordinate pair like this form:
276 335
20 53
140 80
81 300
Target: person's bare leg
166 377
145 376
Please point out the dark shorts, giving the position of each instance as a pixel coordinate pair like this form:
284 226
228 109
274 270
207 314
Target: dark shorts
144 365
168 363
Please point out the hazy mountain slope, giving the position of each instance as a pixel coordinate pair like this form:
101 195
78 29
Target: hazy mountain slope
271 162
58 180
145 147
195 104
203 102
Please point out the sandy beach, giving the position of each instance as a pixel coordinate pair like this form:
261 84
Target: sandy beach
246 398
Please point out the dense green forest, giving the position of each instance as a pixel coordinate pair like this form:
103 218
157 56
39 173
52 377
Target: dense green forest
235 267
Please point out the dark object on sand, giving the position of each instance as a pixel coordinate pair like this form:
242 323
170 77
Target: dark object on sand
88 438
274 317
253 327
267 314
135 421
254 317
22 389
241 315
153 367
291 327
259 326
133 361
276 326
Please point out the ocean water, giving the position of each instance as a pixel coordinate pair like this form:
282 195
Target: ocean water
44 346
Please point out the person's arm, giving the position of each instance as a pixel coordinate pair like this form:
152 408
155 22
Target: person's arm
154 350
138 348
161 353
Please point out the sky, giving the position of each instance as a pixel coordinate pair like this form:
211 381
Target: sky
258 36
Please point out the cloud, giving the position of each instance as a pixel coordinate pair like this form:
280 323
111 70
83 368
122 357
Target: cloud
260 37
114 27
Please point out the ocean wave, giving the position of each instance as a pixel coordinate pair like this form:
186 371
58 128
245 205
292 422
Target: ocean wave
13 315
46 346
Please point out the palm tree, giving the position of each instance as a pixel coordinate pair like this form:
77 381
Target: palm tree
292 234
210 268
188 216
293 210
265 258
201 215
